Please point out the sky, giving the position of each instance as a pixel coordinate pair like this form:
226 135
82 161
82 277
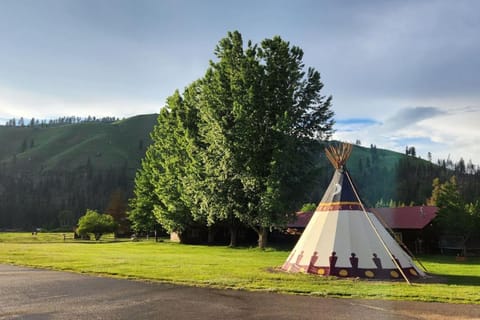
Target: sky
401 73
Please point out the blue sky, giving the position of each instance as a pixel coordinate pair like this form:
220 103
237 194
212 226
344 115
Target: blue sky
400 72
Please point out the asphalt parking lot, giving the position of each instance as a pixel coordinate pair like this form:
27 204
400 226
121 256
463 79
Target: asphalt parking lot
27 293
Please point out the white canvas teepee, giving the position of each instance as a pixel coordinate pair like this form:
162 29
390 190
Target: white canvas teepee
343 239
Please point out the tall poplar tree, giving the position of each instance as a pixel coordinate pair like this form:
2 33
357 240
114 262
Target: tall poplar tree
161 184
140 212
262 118
171 138
239 147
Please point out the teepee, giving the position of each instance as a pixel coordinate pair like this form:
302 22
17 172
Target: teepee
342 239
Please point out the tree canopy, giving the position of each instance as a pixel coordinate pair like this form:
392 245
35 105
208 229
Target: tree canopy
455 216
238 145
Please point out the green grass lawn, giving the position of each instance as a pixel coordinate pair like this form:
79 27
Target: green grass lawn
223 267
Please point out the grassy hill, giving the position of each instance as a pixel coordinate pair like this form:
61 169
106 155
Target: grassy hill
387 158
384 175
106 145
69 147
50 175
47 173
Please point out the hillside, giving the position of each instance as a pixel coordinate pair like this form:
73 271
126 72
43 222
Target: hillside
380 175
69 147
49 176
377 173
107 145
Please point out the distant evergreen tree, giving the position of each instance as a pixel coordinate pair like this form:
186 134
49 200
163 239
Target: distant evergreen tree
23 147
460 166
66 218
455 216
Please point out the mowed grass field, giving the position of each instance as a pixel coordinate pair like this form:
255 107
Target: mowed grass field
229 268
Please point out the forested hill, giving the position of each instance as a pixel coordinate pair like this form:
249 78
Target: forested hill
386 178
50 175
71 146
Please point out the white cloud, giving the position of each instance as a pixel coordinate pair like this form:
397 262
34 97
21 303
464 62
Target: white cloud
446 134
458 130
16 104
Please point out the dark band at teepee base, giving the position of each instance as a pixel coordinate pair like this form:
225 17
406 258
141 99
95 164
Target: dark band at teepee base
342 239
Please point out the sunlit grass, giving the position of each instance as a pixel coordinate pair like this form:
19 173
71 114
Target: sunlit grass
223 267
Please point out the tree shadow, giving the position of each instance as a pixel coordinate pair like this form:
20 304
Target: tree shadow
461 280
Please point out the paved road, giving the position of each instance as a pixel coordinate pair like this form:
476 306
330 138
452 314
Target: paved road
27 293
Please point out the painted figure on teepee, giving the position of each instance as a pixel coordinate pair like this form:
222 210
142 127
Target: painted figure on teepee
342 239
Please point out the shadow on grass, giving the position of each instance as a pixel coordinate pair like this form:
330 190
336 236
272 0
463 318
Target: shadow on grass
449 270
460 280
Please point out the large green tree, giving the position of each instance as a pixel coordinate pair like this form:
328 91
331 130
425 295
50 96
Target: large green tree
163 184
140 212
238 146
455 216
263 115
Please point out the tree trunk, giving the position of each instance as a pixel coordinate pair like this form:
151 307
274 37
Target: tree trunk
182 237
233 236
262 237
211 235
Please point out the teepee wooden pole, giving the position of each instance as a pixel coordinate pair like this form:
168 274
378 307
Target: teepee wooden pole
338 155
390 254
400 242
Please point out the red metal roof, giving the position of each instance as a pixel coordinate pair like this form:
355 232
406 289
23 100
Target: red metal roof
396 218
407 217
302 220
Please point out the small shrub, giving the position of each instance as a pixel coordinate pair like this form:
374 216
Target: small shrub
95 223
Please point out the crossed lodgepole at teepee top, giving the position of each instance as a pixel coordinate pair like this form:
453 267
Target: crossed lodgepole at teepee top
342 239
338 155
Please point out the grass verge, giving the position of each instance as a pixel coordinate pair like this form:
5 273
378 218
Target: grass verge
223 267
